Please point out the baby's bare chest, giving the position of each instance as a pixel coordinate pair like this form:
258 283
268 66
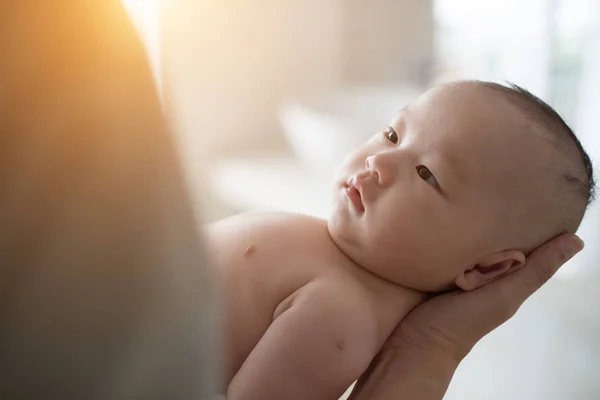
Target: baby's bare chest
262 267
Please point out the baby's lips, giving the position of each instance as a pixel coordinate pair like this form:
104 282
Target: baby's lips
355 198
359 179
354 190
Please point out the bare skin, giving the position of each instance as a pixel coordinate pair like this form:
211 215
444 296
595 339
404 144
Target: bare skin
418 360
427 205
314 291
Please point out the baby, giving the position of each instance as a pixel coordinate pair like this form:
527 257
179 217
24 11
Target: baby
454 193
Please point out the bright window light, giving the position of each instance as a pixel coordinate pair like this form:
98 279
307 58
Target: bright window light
145 15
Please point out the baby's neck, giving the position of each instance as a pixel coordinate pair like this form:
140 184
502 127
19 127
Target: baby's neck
402 298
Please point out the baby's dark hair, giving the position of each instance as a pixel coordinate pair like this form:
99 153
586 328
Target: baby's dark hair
579 175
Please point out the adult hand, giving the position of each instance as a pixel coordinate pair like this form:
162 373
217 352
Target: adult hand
420 357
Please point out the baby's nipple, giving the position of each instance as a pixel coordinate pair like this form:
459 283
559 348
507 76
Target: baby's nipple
249 250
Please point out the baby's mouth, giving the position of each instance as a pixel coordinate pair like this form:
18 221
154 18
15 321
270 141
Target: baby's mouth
353 192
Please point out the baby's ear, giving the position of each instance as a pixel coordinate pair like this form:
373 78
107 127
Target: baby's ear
490 268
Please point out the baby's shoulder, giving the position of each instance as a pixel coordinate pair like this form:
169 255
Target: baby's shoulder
271 229
266 218
272 243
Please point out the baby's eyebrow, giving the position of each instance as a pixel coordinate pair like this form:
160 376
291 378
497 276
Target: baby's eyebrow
404 110
399 118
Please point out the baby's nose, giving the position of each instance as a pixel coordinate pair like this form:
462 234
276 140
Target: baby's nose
370 165
383 166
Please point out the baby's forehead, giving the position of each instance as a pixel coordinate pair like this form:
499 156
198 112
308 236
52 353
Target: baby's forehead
471 110
518 146
461 93
489 135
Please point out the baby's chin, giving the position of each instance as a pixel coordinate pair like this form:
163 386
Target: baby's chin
344 228
336 231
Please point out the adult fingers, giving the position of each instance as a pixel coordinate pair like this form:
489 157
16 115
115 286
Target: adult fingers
540 266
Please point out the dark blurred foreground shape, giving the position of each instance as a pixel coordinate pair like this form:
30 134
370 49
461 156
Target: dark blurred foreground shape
101 290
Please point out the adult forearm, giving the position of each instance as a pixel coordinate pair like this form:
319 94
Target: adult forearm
406 373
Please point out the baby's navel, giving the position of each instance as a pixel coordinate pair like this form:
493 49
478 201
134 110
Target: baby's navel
341 345
249 250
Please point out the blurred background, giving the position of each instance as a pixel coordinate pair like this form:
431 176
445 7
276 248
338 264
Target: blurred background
267 96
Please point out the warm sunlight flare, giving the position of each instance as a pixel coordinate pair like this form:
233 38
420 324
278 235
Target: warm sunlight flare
145 16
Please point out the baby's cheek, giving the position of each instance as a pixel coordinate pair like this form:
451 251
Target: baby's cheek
348 165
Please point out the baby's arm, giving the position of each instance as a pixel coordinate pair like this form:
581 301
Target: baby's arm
314 349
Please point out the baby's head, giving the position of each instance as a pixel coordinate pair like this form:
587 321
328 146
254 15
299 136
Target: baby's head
462 185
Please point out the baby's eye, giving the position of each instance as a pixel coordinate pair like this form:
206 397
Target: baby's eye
426 175
391 135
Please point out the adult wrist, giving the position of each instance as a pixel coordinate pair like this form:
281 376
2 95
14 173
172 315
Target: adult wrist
407 372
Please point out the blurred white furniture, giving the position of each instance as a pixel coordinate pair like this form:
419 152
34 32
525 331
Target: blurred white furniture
270 183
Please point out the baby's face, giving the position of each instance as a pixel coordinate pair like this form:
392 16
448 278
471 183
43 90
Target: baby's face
423 200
